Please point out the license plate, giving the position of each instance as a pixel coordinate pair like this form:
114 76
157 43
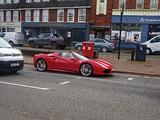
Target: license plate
14 64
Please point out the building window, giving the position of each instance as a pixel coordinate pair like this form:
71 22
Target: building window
36 15
28 1
154 4
101 7
70 15
139 4
1 16
60 15
1 1
121 2
16 1
45 16
15 16
28 16
36 0
8 16
81 15
8 1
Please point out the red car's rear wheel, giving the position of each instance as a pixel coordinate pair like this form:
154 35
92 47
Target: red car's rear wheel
86 69
41 65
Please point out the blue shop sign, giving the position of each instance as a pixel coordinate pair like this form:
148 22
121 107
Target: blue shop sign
137 19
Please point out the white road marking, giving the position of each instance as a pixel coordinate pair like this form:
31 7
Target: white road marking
130 79
63 83
26 86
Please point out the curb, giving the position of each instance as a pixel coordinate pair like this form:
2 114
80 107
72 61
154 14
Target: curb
135 73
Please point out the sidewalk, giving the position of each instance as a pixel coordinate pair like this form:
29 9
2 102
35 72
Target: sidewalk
149 67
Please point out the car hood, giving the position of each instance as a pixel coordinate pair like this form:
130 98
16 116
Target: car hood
102 63
10 51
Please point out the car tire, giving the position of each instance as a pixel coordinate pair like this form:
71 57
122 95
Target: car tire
79 48
104 49
54 45
86 69
32 44
148 51
41 65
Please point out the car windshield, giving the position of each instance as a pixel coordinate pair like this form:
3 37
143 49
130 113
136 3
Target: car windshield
4 44
80 57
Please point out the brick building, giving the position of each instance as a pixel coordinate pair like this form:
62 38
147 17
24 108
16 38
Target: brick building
76 19
141 19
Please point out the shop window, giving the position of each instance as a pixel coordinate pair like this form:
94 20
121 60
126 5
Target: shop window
12 30
3 29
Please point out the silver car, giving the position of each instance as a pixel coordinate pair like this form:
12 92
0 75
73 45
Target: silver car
102 45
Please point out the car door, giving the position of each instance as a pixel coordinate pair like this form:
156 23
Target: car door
155 43
99 43
67 63
46 39
39 39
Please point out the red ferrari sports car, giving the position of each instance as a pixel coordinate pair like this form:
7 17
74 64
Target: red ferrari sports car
73 62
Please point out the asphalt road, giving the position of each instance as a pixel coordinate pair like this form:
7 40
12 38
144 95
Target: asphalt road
33 95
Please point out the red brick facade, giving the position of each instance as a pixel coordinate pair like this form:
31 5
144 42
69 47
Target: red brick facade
131 4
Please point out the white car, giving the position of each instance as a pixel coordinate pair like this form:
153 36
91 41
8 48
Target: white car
13 38
153 45
11 59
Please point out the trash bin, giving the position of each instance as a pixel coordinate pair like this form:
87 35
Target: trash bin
141 53
88 49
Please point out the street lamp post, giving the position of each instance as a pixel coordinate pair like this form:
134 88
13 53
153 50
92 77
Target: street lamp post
120 30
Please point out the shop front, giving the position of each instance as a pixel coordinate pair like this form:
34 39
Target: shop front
76 32
136 28
10 26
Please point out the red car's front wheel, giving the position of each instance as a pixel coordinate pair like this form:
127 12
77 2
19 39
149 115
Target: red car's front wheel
41 65
86 70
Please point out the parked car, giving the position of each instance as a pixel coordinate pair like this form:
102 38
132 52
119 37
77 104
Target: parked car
102 45
43 39
153 45
11 59
73 62
13 38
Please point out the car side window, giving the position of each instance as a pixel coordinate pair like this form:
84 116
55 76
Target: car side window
66 55
40 36
100 41
157 39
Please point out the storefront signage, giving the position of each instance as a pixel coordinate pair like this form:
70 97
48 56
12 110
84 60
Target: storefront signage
10 24
52 25
142 19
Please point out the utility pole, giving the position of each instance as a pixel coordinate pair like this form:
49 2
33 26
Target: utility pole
120 30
